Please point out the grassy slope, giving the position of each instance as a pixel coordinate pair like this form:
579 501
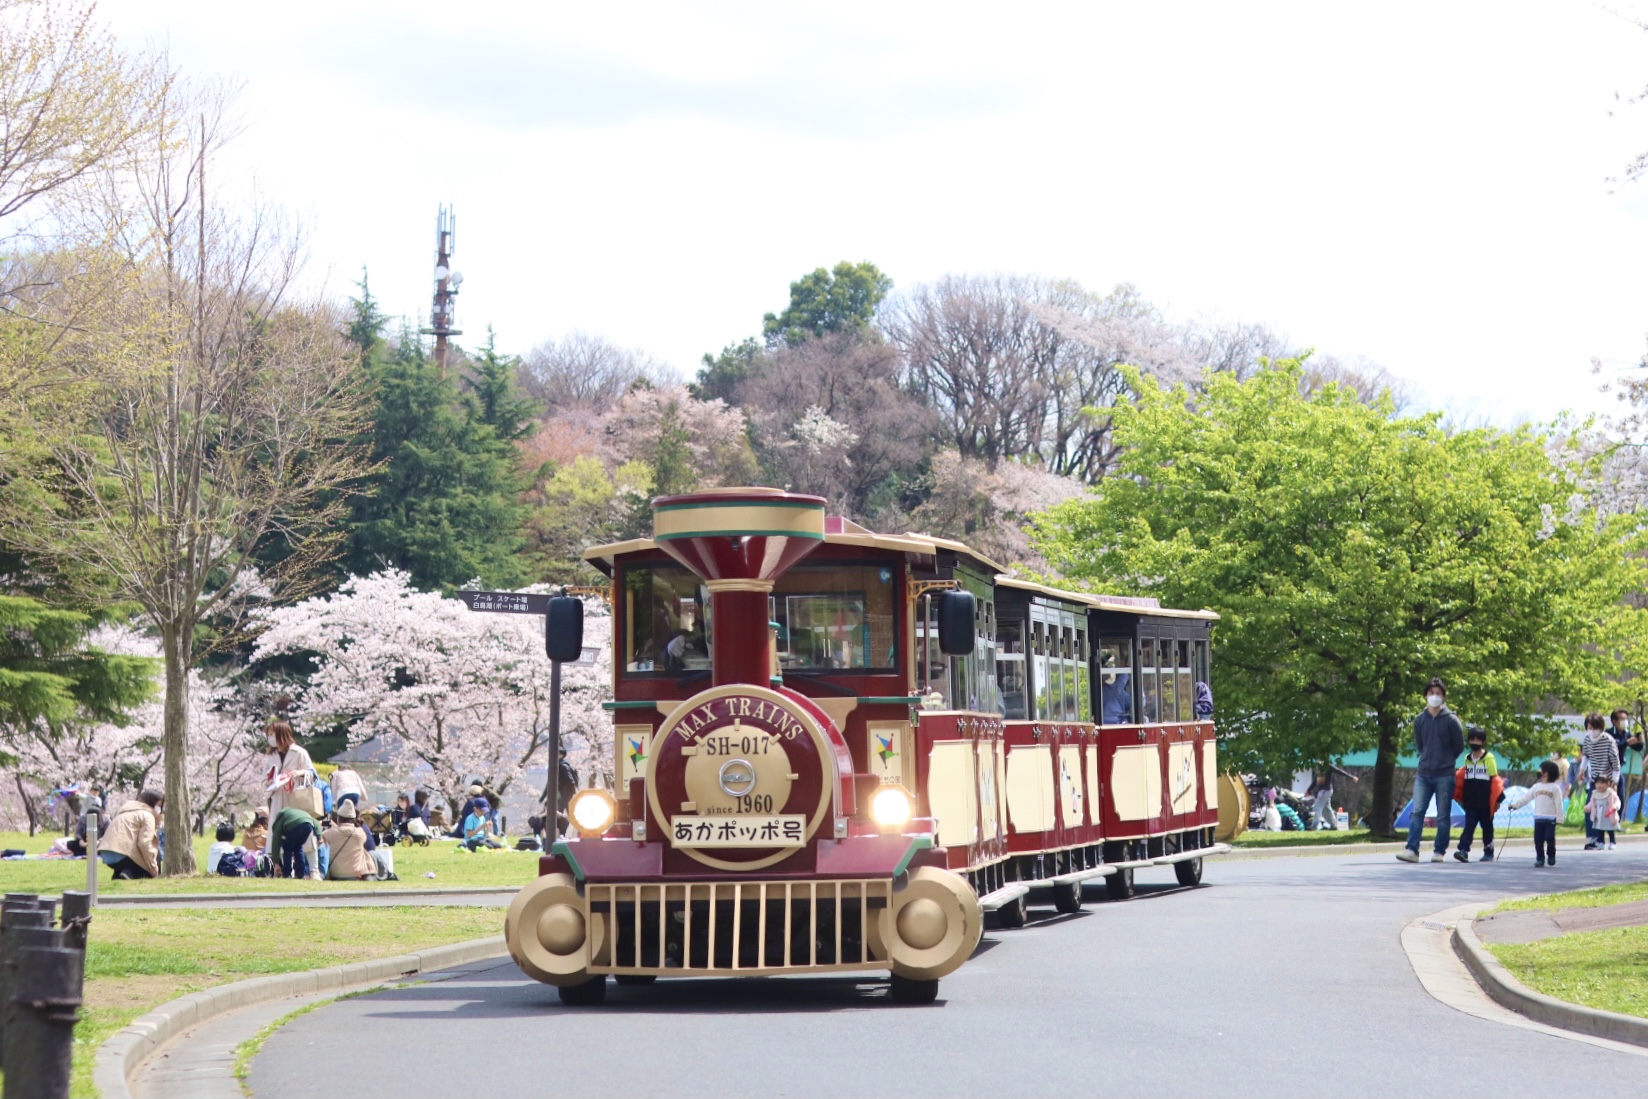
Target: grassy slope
451 866
1601 969
137 960
1582 898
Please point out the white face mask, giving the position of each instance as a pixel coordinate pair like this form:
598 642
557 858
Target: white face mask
1434 701
272 741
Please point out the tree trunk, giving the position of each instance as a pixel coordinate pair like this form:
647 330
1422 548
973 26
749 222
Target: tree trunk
28 804
180 848
1382 814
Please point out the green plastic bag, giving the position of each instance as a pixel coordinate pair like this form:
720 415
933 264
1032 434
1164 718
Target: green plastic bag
1576 807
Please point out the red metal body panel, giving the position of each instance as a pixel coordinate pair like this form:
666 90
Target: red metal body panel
977 729
1112 737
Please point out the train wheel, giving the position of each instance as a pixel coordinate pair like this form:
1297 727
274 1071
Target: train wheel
1120 884
588 994
908 990
636 980
1188 872
1015 913
1067 897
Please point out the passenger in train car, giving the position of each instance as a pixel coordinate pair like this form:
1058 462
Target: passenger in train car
1115 690
1204 700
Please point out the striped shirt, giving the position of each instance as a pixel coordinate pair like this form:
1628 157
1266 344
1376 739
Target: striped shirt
1600 755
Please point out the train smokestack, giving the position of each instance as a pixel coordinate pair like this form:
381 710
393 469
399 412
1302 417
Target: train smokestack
739 541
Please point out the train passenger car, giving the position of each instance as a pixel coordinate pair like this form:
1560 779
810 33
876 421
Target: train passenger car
838 749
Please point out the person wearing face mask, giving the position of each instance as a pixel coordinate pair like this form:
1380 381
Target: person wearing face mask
287 761
1439 737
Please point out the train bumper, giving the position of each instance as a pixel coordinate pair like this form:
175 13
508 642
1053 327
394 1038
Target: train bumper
921 924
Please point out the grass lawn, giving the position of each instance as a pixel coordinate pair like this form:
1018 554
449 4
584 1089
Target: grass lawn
1285 839
450 865
138 960
1583 898
1601 969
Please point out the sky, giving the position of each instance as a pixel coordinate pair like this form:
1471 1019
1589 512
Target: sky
1424 185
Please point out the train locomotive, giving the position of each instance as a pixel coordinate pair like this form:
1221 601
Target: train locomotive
838 750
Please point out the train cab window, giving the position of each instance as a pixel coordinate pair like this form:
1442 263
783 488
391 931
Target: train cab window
1187 695
1149 700
836 616
1038 669
1116 682
667 623
1011 670
1199 670
1166 682
1083 677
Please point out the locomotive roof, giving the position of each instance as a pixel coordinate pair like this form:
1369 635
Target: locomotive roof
844 532
837 533
1144 605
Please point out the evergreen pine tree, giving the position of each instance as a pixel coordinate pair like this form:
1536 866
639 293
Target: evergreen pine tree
443 501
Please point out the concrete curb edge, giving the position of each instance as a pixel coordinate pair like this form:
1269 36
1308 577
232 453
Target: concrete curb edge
123 1052
1504 989
326 894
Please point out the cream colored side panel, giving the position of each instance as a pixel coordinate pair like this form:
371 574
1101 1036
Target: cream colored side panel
1136 782
886 749
952 792
1181 774
1070 789
1030 788
1001 786
1210 773
634 745
989 781
1094 802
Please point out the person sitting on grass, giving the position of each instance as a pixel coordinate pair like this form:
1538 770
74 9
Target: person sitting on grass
1602 813
292 828
477 827
347 841
256 836
132 845
1547 795
223 857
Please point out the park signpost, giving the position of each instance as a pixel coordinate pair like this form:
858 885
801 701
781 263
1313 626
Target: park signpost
563 643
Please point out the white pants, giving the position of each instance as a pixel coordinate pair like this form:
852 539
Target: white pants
385 858
1324 812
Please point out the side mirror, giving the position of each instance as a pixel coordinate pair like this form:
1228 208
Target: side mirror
956 613
564 629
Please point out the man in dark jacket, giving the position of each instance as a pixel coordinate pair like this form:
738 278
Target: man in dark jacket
1439 737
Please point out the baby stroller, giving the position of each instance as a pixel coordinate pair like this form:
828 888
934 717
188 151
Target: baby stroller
389 827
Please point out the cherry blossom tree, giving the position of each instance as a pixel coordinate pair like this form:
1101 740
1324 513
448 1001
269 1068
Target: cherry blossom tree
225 739
464 694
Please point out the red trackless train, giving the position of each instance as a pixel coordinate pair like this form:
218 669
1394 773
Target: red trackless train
838 750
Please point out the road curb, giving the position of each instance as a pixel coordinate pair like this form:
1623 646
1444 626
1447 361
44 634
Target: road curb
207 898
1504 989
121 1054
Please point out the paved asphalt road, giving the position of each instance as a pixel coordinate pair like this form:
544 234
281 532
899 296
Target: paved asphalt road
1276 976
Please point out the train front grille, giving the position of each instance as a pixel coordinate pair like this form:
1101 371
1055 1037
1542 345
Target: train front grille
745 928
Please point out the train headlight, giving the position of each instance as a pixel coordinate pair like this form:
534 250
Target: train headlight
892 806
592 812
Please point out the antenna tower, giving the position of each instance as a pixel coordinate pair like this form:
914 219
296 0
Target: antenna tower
447 282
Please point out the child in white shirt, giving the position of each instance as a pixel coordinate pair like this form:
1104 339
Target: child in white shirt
224 848
1603 809
1546 795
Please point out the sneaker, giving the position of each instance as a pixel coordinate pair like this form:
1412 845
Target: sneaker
1552 860
1590 847
1407 856
1461 855
1439 857
1610 845
1539 864
1487 856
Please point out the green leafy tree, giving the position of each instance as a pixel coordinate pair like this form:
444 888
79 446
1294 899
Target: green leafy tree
839 300
493 396
49 674
721 375
442 502
1351 555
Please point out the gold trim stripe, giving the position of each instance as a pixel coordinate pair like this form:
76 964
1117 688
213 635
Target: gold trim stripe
762 586
732 519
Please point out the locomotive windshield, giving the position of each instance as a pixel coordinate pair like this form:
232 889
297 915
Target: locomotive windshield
836 616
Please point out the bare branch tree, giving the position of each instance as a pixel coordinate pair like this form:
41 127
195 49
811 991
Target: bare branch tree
585 373
214 425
